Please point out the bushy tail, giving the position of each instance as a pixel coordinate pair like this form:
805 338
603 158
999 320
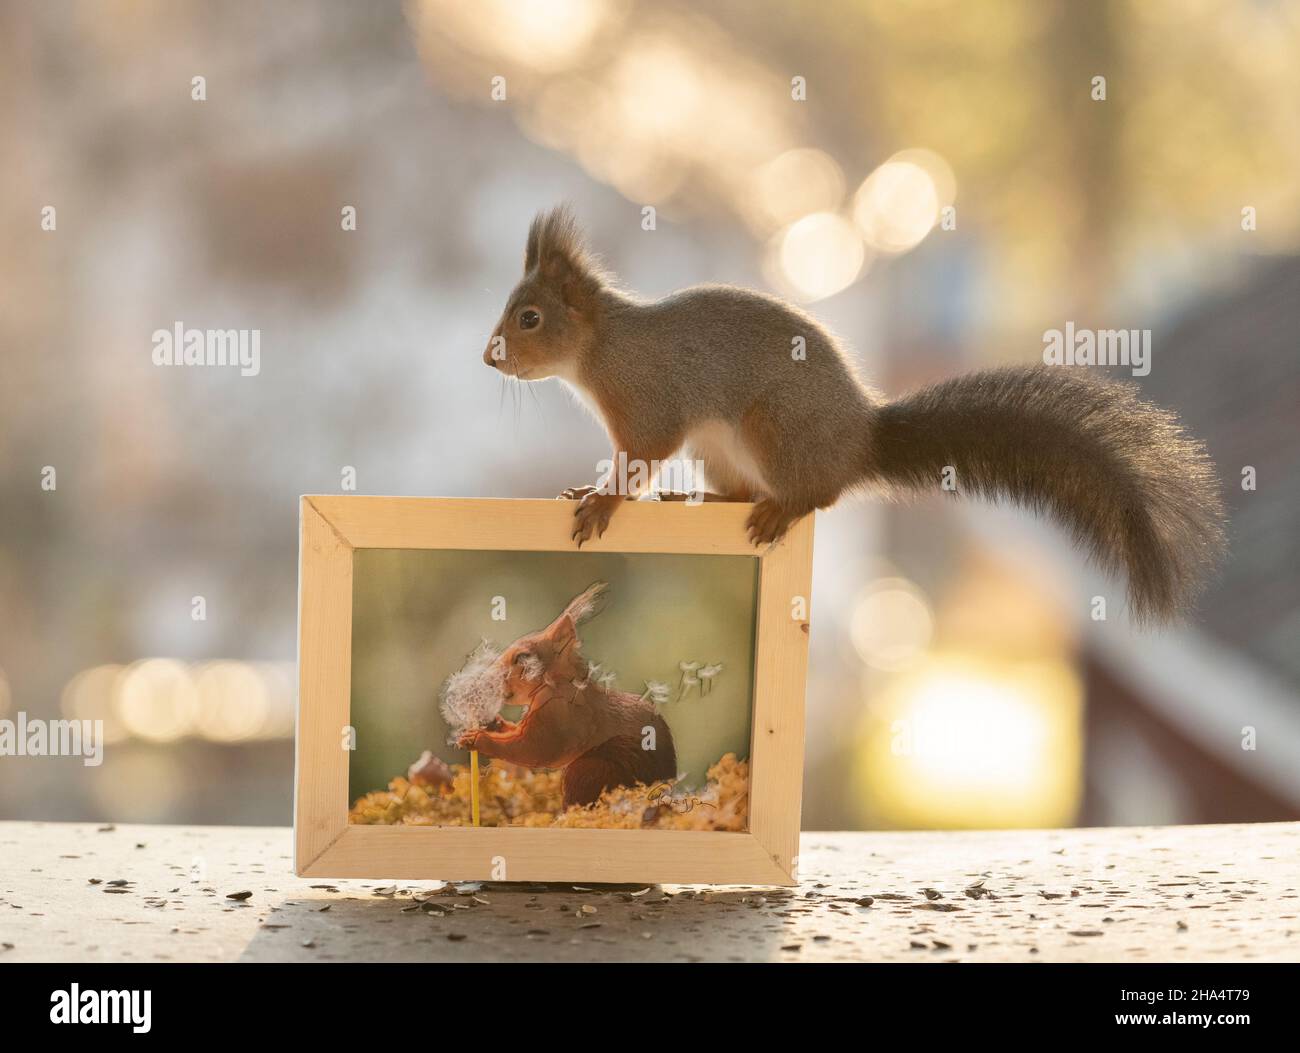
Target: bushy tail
1136 492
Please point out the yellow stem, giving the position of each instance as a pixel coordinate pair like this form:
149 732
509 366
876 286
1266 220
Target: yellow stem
473 785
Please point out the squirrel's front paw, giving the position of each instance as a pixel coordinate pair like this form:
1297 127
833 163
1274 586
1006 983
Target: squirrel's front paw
592 515
468 740
576 493
768 522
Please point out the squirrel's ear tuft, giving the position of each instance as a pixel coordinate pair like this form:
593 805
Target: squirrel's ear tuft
586 605
589 603
557 252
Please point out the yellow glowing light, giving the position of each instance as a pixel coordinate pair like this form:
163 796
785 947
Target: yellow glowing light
546 35
939 171
896 206
232 701
92 695
891 624
281 683
794 184
659 89
819 255
962 742
157 700
162 699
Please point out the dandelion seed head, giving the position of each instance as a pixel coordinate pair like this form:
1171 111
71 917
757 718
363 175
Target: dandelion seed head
472 696
656 691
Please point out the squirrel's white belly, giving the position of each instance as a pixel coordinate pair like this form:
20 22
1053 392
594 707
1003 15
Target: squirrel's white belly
728 463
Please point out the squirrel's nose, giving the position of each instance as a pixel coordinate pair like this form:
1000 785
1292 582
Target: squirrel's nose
487 357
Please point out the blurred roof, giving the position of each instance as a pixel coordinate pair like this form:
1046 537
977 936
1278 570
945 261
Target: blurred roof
1232 372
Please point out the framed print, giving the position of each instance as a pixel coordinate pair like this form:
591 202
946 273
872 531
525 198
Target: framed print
481 699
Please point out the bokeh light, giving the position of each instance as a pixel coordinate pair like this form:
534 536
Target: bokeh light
92 695
792 185
897 205
157 700
163 699
890 624
232 701
973 742
818 256
544 35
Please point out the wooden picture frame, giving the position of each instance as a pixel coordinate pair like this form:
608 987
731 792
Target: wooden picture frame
333 527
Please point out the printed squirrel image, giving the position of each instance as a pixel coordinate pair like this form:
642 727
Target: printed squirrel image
711 370
572 721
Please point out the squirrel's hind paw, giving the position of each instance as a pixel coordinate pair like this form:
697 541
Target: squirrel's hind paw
576 493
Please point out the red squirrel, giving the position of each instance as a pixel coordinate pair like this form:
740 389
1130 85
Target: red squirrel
715 370
572 721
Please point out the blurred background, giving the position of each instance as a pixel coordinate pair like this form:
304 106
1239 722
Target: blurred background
939 182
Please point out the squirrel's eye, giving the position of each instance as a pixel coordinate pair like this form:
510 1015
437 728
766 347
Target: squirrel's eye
529 319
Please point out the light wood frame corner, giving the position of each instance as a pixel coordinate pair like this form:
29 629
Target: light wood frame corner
333 527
